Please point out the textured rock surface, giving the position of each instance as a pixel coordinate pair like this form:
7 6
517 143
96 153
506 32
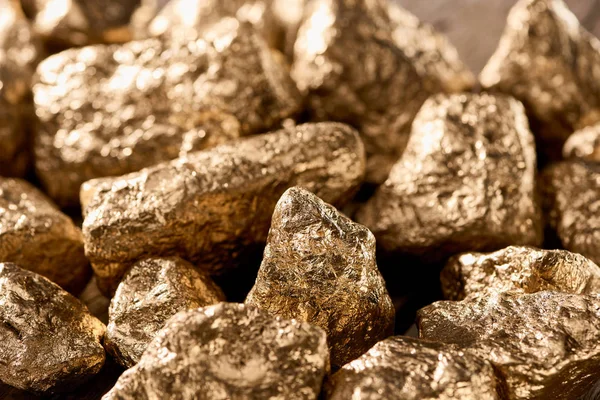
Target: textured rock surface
320 267
19 52
277 20
49 340
519 269
584 144
229 351
371 64
571 199
151 292
465 182
402 368
39 237
111 110
80 22
552 64
211 206
543 345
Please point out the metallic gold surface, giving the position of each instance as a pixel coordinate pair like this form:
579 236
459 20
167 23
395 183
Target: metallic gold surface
519 269
402 368
111 110
211 206
552 64
81 22
320 267
50 341
229 351
19 52
151 292
542 345
465 182
35 234
571 192
584 144
371 64
276 20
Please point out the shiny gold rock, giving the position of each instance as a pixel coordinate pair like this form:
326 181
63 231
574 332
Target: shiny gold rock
49 342
229 351
151 292
111 110
19 52
81 22
571 192
519 269
212 206
38 237
372 65
402 368
542 345
276 20
552 64
465 182
320 267
584 144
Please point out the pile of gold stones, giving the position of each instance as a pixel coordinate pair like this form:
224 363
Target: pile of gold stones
203 146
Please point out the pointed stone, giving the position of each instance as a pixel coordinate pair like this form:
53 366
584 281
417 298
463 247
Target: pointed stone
371 64
320 267
466 181
151 292
542 345
551 63
212 206
519 269
35 234
112 110
49 342
229 351
402 368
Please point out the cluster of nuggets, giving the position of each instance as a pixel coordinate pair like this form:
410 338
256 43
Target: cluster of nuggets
194 134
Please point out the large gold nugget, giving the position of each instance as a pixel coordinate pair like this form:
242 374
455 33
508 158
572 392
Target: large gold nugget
229 351
49 342
19 52
81 22
552 64
111 110
151 292
210 206
543 345
320 267
519 269
584 144
38 237
465 182
402 368
276 20
371 64
571 194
